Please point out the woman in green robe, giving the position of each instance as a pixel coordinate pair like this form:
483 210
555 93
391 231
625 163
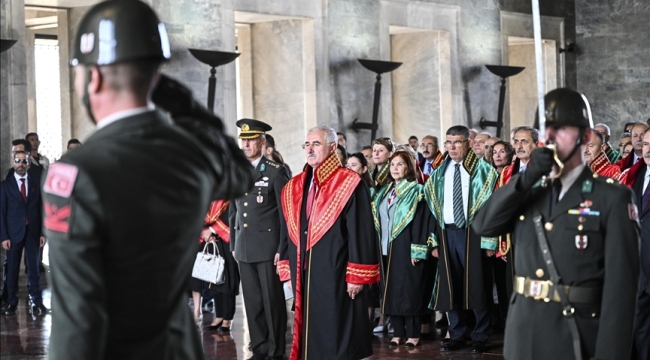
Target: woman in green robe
404 226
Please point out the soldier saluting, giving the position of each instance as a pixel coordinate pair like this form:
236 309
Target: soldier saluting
578 263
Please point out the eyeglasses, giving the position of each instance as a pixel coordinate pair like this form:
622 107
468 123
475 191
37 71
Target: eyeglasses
314 144
456 143
18 161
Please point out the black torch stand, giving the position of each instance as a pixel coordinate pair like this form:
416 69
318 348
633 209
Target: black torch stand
214 59
379 67
6 44
504 72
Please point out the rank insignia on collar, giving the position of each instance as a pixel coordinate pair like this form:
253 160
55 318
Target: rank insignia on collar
263 167
587 186
582 242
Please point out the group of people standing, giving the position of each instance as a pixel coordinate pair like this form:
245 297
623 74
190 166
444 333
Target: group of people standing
410 233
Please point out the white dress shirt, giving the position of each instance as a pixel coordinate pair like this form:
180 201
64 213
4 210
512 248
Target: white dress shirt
448 202
121 115
256 162
646 179
18 177
569 178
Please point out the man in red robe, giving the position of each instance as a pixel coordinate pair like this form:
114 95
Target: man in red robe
432 155
525 140
330 254
596 158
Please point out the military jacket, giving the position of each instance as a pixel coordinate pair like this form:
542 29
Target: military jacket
255 229
593 234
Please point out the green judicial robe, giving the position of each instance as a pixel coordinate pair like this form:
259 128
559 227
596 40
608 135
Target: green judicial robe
403 285
483 177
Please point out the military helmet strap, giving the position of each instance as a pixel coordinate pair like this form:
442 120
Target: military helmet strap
86 96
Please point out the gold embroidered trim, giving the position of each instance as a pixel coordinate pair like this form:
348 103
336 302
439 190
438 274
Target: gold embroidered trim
362 272
314 231
288 196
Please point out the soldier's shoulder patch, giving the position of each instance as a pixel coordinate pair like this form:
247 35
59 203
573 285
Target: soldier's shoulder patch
60 179
59 182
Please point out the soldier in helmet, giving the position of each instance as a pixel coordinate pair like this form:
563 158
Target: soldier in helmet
577 263
121 224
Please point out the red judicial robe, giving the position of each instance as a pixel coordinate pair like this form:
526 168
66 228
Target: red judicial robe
217 220
334 247
600 165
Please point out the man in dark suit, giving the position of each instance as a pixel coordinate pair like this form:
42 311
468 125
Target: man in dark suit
590 227
255 233
122 225
638 179
414 143
21 214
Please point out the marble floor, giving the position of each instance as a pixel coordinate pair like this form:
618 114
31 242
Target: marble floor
24 336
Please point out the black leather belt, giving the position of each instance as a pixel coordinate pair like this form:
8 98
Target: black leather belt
547 291
453 227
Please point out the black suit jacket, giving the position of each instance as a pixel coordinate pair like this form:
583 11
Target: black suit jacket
130 235
644 219
14 211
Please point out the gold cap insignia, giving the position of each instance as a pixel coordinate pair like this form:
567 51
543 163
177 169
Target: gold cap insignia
245 127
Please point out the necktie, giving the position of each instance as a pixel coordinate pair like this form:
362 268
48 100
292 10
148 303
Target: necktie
310 198
427 168
522 168
459 211
555 192
646 198
23 190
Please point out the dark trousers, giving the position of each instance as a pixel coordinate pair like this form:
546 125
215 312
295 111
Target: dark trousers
32 258
406 326
224 305
265 307
642 326
457 325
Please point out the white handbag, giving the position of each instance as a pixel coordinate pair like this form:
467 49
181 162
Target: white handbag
209 267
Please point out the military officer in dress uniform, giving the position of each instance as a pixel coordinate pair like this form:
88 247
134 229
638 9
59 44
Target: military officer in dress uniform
121 223
577 263
254 239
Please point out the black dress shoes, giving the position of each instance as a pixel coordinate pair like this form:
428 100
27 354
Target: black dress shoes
213 327
478 347
10 310
452 345
39 309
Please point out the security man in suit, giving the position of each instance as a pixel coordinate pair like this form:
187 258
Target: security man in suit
255 233
21 216
122 224
577 263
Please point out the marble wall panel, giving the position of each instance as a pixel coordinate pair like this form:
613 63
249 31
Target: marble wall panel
416 85
612 66
279 83
13 79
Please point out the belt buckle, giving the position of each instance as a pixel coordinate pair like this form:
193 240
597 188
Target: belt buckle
539 289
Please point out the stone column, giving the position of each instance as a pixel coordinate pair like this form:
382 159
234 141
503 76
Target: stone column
13 79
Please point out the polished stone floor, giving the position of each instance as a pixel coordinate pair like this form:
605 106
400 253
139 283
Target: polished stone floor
24 336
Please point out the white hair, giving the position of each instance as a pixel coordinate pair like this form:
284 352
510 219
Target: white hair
605 126
330 133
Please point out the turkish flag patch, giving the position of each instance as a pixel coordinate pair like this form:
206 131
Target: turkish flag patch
60 179
56 218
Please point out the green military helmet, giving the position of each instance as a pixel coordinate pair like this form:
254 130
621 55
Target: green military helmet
115 31
566 107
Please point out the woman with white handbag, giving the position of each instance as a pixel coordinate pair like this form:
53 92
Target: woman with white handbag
217 233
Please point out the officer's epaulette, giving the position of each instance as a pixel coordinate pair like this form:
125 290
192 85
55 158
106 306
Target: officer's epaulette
272 163
606 180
